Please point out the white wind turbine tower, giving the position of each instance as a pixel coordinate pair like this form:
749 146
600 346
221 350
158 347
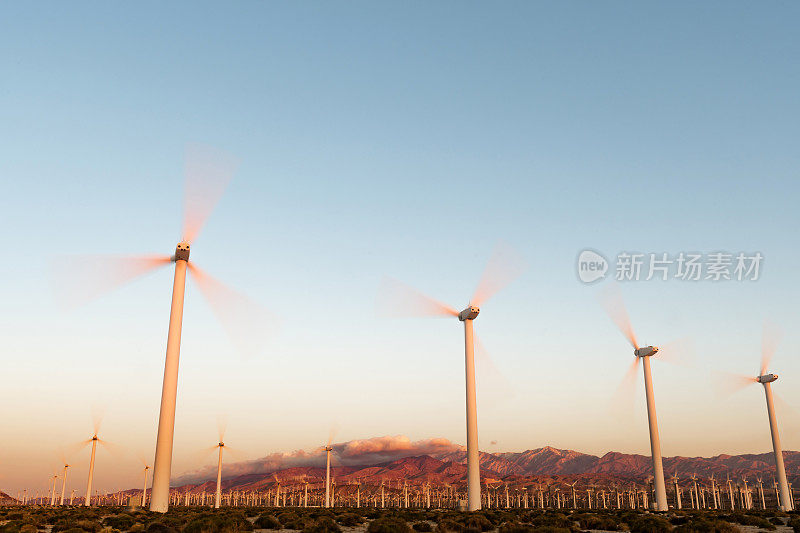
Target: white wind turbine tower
504 266
64 483
53 490
218 491
221 425
94 440
769 343
612 301
328 450
144 487
207 174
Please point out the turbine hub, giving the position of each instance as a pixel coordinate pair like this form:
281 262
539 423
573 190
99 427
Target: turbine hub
767 378
470 313
646 351
221 445
182 251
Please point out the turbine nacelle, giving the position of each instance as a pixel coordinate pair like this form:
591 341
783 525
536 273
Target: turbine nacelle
181 252
645 351
470 313
767 378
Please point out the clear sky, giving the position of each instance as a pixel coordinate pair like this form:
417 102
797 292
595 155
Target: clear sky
400 139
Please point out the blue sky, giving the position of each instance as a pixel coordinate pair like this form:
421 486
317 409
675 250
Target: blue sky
404 140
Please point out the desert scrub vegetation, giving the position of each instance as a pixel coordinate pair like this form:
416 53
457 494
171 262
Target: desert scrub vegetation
323 524
649 524
706 525
388 524
603 521
267 521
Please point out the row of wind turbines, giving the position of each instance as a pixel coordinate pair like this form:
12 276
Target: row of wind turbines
207 174
618 313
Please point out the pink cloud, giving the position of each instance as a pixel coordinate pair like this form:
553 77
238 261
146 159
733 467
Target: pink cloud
350 453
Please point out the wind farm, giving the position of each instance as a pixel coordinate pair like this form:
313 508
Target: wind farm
348 172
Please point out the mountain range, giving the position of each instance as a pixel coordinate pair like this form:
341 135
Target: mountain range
534 466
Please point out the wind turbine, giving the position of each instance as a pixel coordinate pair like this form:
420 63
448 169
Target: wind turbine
144 487
615 308
64 483
769 343
504 267
53 491
207 175
94 440
221 425
328 450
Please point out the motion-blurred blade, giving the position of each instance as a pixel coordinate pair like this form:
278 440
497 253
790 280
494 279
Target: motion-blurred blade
79 279
787 415
727 383
222 424
234 453
116 450
332 433
97 418
770 338
396 299
612 302
679 352
208 172
247 324
71 449
201 456
140 456
504 266
623 400
492 385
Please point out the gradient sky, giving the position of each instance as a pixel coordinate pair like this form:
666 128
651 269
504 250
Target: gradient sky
403 140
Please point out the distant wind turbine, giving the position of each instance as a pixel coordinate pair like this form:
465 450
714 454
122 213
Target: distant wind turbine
144 487
64 484
504 267
94 440
328 450
615 307
769 343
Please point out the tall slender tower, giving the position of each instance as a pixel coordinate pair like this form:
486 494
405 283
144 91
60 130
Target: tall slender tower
473 458
162 466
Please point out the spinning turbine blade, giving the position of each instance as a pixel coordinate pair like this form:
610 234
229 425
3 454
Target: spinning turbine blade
114 449
788 414
208 172
770 338
80 279
623 400
97 418
332 433
493 383
75 447
726 383
222 424
246 323
504 266
612 301
398 299
679 352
